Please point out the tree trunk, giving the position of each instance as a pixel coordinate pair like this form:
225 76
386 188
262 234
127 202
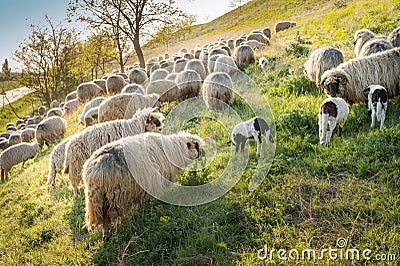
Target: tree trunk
138 50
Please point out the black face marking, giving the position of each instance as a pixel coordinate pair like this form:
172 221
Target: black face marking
333 89
158 123
329 108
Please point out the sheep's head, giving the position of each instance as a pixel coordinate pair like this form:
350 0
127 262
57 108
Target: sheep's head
363 36
331 82
194 145
154 122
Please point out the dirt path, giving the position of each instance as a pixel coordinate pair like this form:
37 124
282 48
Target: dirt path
14 95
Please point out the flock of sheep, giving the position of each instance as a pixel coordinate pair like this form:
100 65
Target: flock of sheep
121 139
372 77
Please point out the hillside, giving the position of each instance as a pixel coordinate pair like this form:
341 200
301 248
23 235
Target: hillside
312 196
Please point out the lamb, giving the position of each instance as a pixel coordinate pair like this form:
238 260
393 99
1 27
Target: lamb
284 25
264 63
259 37
159 74
394 37
189 84
55 112
321 60
197 65
16 154
124 106
137 76
244 55
83 144
110 175
71 106
331 112
218 91
57 158
348 80
49 130
91 104
27 135
115 84
88 91
133 88
377 103
91 117
255 127
225 64
167 90
42 110
14 139
54 104
267 33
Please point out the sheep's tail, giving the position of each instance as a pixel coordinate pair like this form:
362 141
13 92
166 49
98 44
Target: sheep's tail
379 110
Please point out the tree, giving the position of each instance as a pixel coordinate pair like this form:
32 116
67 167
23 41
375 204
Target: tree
6 70
47 57
133 18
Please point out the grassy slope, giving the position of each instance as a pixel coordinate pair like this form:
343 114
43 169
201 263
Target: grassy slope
311 196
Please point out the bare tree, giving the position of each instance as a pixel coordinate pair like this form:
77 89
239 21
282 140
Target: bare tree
133 18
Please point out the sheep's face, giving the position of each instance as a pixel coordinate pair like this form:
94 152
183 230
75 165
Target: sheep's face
154 122
333 84
195 148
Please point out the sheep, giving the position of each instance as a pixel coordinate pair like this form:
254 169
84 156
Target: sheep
91 117
227 49
34 120
101 83
70 96
260 37
374 46
124 106
255 127
349 79
171 77
5 135
264 64
189 84
137 76
180 65
83 144
4 144
267 33
255 45
377 103
322 60
49 130
57 158
55 112
14 139
183 51
111 174
360 38
114 84
225 64
244 55
71 106
239 41
153 68
16 154
133 88
27 135
159 74
167 90
211 62
54 104
284 25
88 91
197 65
231 43
394 37
42 110
331 112
168 66
91 104
188 56
218 90
197 53
217 51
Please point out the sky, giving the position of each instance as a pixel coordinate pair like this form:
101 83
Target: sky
17 15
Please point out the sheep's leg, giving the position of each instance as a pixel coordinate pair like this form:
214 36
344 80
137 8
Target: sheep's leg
106 222
257 138
382 119
373 117
242 145
237 146
2 174
332 125
6 174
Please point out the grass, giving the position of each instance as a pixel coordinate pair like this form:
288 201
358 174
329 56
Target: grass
9 85
312 195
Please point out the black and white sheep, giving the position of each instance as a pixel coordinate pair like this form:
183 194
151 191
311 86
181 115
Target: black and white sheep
377 104
264 64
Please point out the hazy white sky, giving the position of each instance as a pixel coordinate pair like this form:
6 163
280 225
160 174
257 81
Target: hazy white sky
17 15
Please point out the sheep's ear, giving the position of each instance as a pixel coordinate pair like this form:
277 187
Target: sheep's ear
342 78
367 90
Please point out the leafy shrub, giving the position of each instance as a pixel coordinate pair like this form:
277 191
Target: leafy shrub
298 48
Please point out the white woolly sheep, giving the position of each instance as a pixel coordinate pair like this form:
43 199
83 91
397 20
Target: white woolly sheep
49 130
189 56
255 45
171 77
54 112
217 90
227 49
159 74
4 144
168 66
348 80
71 106
225 64
377 104
211 62
183 51
137 76
267 33
34 120
239 41
394 37
133 88
57 158
91 104
27 135
124 106
111 188
255 127
91 117
322 60
115 84
88 91
83 144
54 104
259 37
244 55
42 110
264 64
71 96
14 139
198 66
180 65
374 46
17 154
331 112
284 25
189 84
360 38
167 90
217 51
